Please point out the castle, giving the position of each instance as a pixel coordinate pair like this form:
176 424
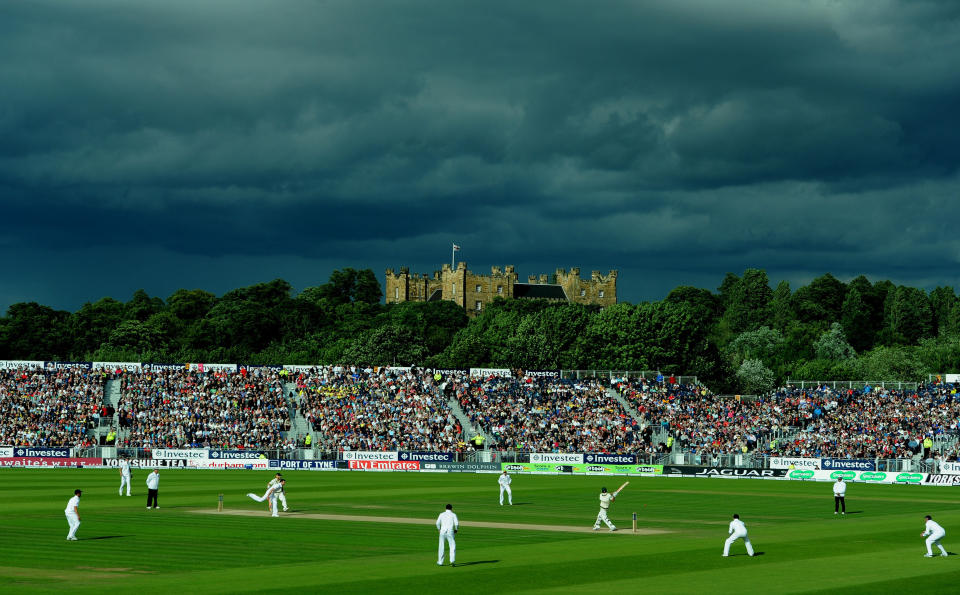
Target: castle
473 292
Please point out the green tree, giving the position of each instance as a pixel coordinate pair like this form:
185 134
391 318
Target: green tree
748 304
351 285
762 344
821 301
92 324
781 306
855 320
755 378
392 344
141 306
30 331
832 345
909 317
942 301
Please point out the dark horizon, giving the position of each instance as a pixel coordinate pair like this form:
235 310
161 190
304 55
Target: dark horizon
167 146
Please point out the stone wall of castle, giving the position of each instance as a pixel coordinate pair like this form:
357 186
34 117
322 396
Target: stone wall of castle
473 292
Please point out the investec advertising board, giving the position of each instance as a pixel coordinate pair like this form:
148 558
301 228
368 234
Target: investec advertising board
647 470
191 454
370 455
864 476
950 468
794 463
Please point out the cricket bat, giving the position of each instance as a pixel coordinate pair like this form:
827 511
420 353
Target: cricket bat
620 488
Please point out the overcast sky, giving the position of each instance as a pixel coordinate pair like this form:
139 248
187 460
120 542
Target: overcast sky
182 144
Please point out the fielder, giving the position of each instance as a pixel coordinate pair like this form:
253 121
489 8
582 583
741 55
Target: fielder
448 524
505 481
737 531
73 515
271 496
839 492
124 475
936 533
605 501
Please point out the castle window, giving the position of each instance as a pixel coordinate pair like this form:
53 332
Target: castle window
396 293
479 289
479 305
583 292
453 288
601 293
500 289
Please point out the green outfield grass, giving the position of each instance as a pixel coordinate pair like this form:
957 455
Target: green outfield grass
125 548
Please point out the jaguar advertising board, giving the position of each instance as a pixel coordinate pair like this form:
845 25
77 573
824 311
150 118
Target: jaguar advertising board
692 471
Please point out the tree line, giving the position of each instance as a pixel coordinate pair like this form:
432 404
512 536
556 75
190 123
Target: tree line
745 336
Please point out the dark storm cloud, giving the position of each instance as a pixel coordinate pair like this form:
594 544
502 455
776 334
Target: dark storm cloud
675 140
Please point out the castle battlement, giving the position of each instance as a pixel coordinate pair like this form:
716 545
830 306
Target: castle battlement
473 292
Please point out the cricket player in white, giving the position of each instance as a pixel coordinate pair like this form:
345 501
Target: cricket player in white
73 515
448 524
282 496
936 533
839 493
505 481
124 475
605 500
270 496
737 531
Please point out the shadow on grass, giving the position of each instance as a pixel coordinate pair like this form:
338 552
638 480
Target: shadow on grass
104 537
477 562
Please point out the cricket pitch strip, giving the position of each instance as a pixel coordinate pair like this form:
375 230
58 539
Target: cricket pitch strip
411 521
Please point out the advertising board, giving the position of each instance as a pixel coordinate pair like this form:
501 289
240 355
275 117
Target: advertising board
565 458
293 465
794 462
385 465
692 471
370 455
49 462
195 454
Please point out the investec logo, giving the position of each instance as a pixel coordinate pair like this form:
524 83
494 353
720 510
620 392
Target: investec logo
565 458
610 459
848 464
363 455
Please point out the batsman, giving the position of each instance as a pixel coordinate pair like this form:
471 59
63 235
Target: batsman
606 499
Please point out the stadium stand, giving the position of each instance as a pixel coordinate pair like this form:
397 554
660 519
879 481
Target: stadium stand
549 414
50 407
367 409
176 408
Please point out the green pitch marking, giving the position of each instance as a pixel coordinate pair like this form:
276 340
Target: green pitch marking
124 547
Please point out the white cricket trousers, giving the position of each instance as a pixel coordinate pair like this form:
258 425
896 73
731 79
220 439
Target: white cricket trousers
509 494
734 537
124 481
452 541
602 516
74 521
934 539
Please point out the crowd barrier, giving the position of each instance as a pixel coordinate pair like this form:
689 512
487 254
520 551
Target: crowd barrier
781 468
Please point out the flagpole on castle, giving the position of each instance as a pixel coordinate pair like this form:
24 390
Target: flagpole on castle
453 257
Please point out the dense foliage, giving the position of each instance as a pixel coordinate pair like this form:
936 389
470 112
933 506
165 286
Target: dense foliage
746 336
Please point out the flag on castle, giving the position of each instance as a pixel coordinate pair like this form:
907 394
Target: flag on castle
456 248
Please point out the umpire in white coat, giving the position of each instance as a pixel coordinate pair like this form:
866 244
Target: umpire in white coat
448 524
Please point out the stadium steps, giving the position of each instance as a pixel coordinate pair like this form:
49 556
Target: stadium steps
299 426
111 397
467 425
